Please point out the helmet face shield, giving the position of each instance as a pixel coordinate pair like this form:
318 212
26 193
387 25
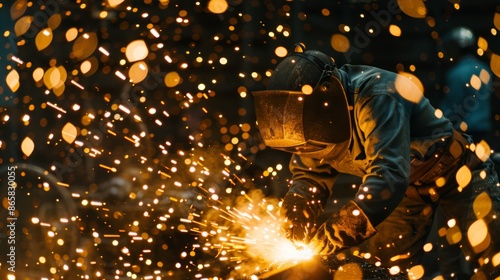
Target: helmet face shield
279 117
302 123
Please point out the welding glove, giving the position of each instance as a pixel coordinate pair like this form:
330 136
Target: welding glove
345 228
300 216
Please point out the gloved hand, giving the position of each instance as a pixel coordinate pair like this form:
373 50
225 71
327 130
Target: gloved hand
345 228
299 217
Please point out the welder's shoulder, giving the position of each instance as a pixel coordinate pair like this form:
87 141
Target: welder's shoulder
359 73
366 82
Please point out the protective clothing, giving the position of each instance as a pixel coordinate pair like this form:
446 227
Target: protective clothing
392 136
394 133
345 228
300 217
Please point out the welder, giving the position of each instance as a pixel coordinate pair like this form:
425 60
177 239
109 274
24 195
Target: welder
378 125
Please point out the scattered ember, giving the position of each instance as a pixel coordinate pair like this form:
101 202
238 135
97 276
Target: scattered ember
129 166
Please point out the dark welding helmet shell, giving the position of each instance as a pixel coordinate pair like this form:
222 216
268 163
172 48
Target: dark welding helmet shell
287 117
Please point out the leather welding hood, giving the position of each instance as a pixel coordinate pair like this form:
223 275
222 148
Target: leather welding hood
289 115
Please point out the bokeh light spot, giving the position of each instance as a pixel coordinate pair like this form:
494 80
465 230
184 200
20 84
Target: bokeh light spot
483 150
495 64
114 3
23 25
69 132
89 66
428 247
281 51
495 261
85 66
485 76
43 39
340 43
413 8
453 235
27 146
475 82
38 74
482 43
84 46
496 20
172 79
138 72
18 9
416 272
409 87
136 50
463 176
395 30
12 80
438 113
54 21
51 77
394 270
71 34
478 236
441 181
482 205
217 6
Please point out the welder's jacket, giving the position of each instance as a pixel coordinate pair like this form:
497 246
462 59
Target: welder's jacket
396 133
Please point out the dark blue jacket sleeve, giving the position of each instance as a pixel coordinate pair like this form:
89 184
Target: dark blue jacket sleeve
384 125
312 179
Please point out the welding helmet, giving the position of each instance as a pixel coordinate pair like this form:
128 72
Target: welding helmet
304 108
456 43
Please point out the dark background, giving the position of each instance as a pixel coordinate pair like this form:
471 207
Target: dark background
207 126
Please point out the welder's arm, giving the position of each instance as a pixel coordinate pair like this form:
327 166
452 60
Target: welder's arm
345 228
306 199
384 125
